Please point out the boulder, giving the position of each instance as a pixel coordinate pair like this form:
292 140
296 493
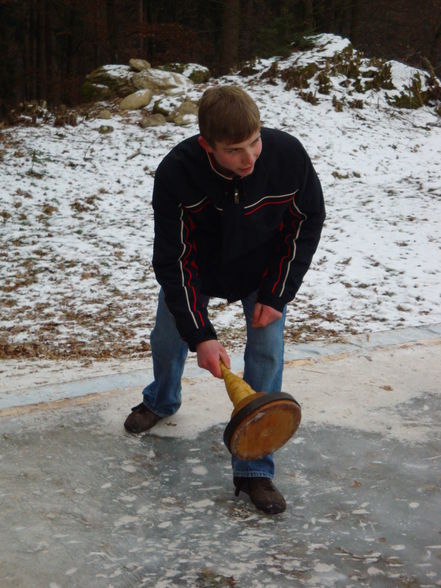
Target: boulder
116 78
166 105
136 84
152 120
198 74
161 82
136 100
182 119
139 64
185 114
104 114
105 129
188 107
95 92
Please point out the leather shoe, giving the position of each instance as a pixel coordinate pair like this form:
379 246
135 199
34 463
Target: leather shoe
262 492
141 419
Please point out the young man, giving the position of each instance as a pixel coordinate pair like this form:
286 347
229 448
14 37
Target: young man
238 215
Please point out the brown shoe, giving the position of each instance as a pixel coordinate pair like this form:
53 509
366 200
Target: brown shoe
262 492
141 419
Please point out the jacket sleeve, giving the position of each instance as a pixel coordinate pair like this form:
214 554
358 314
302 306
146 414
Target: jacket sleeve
175 264
297 242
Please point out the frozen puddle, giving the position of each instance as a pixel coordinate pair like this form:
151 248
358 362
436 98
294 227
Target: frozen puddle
83 505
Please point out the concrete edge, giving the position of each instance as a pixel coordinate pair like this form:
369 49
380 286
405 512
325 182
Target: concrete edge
87 398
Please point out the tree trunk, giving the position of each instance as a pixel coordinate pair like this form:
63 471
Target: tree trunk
34 50
435 49
41 44
229 53
140 27
355 21
330 14
309 15
111 31
51 85
26 56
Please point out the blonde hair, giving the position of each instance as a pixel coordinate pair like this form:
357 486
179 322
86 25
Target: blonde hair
227 114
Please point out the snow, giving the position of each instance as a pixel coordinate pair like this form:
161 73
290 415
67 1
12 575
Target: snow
76 224
116 71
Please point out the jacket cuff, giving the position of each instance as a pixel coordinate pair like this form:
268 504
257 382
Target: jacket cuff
276 303
200 337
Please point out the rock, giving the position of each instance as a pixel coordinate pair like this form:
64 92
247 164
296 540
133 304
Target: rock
188 107
162 82
116 78
65 118
181 120
120 81
104 114
136 100
160 108
94 92
139 64
185 114
198 74
152 120
105 129
166 105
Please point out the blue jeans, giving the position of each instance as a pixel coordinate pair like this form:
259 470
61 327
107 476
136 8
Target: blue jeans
263 368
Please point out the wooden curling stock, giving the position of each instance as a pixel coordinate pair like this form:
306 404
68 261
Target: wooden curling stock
260 423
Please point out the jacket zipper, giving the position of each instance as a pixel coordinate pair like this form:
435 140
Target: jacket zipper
236 195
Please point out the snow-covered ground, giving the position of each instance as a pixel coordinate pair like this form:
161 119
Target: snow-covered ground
76 226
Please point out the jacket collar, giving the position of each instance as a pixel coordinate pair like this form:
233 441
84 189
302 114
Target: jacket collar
212 163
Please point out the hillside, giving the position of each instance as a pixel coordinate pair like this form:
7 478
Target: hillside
76 225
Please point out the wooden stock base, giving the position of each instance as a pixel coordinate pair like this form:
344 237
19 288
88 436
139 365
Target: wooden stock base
261 424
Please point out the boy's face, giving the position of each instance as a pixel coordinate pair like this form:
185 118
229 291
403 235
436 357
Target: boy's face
236 158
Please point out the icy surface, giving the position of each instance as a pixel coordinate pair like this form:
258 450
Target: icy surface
83 507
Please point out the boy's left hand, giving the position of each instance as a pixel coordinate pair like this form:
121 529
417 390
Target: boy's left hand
264 315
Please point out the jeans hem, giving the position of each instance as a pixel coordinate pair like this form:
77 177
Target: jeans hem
162 416
253 475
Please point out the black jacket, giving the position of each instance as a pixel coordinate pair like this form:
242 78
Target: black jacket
226 238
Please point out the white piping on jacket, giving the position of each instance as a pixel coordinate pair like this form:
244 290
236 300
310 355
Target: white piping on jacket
197 203
182 269
266 198
294 244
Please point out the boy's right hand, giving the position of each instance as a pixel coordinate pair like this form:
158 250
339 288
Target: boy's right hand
210 353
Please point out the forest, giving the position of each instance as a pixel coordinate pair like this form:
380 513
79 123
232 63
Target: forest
47 47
